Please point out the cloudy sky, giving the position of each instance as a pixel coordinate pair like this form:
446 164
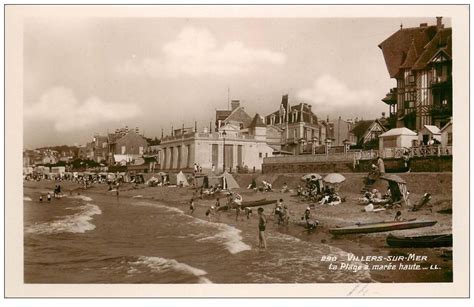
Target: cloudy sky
86 76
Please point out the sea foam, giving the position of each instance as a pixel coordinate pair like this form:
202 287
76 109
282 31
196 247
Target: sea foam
82 197
76 223
26 198
158 264
227 235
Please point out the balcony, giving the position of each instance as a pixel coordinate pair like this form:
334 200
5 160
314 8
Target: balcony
441 81
441 111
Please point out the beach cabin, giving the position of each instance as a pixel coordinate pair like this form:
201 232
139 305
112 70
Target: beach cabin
178 179
447 134
58 171
397 138
429 135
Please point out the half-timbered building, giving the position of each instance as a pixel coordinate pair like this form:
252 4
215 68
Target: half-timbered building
420 60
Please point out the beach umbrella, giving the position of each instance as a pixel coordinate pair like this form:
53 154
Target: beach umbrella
334 178
394 178
312 176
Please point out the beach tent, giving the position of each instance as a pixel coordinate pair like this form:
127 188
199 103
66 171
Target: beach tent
398 188
181 179
173 179
177 179
214 181
199 181
228 181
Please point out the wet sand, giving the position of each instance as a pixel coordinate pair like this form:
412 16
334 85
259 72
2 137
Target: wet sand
345 214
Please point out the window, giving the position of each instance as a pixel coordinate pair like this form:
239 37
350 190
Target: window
140 150
260 155
123 149
450 138
266 155
409 104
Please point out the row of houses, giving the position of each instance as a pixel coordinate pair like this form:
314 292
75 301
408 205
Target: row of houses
47 156
123 146
420 112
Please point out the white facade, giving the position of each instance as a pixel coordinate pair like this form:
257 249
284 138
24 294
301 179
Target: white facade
207 150
397 138
428 134
447 135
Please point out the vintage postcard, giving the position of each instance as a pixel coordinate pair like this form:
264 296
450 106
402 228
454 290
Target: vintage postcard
223 151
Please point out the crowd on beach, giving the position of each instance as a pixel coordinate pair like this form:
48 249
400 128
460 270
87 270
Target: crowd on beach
314 192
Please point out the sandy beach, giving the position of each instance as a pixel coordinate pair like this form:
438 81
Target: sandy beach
344 214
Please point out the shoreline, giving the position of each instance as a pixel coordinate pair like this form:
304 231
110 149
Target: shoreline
361 245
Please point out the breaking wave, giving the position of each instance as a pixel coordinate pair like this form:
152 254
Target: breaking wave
227 235
82 197
158 264
76 223
26 198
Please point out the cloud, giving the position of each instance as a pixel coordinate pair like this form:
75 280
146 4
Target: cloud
60 106
329 92
196 52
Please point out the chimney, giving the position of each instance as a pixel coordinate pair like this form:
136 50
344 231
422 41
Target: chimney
235 104
439 23
423 25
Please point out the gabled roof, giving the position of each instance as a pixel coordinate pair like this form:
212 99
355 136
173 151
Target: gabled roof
432 129
361 127
222 114
128 135
399 131
257 122
396 47
442 41
239 115
447 125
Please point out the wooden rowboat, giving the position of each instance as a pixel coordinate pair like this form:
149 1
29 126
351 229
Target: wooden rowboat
380 222
248 204
445 240
381 227
256 203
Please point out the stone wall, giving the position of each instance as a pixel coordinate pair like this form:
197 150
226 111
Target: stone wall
426 164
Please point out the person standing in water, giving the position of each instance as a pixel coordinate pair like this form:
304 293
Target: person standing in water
49 197
191 206
262 222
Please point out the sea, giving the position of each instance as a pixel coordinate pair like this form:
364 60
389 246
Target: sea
96 238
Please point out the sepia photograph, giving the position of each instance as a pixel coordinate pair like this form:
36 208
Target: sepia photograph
237 146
